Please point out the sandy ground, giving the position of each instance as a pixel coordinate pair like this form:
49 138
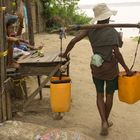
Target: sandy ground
83 116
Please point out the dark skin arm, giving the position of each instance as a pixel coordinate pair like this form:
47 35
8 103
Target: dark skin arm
71 44
24 41
13 40
120 59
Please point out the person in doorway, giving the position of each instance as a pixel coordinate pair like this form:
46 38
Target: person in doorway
105 43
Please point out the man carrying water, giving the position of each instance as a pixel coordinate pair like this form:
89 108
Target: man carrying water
105 43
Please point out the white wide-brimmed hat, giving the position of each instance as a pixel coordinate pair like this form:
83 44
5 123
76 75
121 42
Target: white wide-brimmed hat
102 12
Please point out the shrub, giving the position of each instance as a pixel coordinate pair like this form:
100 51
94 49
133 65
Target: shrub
62 13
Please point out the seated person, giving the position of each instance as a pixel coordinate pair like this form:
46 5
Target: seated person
14 41
10 20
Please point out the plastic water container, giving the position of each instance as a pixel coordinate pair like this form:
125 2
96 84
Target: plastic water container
129 88
60 92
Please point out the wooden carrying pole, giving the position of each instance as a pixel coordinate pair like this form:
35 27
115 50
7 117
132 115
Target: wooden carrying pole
97 26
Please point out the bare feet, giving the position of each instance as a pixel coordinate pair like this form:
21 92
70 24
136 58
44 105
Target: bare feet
13 65
110 123
104 129
40 47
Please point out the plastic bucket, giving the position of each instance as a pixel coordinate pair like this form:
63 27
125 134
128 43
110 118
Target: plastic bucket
60 92
129 87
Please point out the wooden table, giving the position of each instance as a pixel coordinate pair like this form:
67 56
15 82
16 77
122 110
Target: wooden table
35 65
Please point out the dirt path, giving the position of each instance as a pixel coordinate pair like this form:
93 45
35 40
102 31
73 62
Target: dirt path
83 116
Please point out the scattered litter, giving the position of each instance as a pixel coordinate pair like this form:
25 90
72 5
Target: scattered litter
58 134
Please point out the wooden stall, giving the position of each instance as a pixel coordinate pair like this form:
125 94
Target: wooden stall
34 65
37 66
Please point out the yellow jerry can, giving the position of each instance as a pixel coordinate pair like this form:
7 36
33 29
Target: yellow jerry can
60 92
129 87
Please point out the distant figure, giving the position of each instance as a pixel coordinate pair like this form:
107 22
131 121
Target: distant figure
105 43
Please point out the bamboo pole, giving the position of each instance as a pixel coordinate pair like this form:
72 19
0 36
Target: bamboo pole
2 62
97 26
8 91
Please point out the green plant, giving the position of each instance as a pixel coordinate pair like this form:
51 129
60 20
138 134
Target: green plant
62 13
135 38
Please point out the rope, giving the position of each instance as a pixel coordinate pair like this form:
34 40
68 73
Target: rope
2 8
61 36
3 54
136 52
19 81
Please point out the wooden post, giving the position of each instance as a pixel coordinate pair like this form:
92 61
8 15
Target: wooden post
2 62
37 17
30 22
9 89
